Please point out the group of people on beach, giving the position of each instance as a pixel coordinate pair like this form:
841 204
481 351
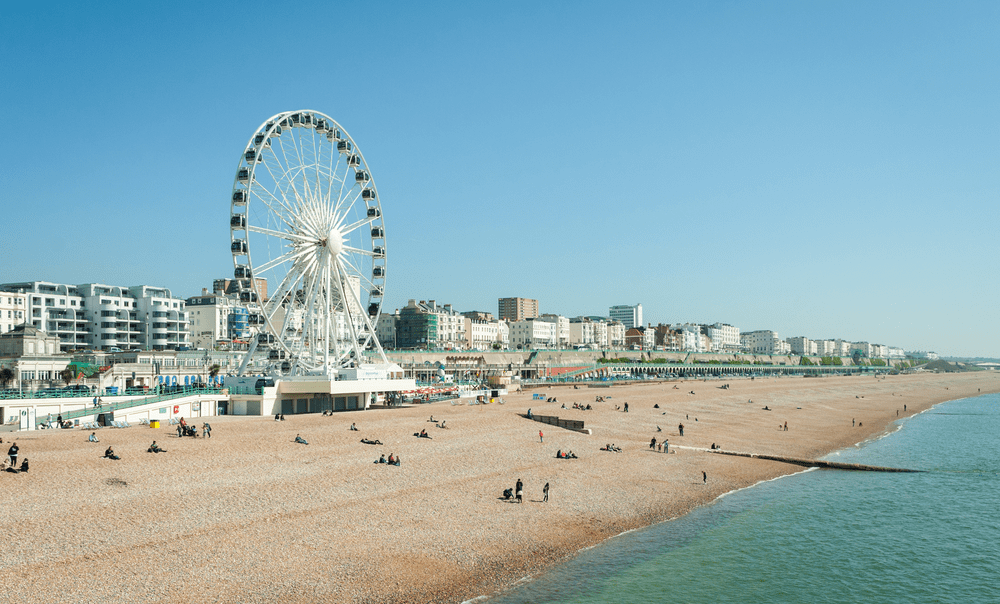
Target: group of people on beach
517 493
12 454
566 455
392 461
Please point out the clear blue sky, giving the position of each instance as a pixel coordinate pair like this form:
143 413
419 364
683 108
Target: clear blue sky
826 169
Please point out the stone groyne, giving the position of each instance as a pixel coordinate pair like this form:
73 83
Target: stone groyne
816 463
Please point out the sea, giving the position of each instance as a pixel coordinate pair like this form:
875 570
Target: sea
821 535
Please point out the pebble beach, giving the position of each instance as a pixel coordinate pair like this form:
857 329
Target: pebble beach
251 516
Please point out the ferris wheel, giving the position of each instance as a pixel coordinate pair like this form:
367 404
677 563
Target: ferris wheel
308 245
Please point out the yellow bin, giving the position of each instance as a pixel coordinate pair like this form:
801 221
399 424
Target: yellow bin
155 423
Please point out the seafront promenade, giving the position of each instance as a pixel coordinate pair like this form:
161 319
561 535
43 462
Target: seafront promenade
251 516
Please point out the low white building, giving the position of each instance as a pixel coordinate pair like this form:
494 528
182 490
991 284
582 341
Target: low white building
764 342
533 334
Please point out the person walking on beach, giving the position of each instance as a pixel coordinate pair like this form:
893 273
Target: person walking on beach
704 477
852 422
541 437
786 426
206 430
12 454
680 428
545 493
519 490
626 406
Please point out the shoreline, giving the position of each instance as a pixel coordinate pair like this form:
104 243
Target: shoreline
899 425
254 518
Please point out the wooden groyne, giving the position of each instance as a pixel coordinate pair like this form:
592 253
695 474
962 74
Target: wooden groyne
816 463
568 424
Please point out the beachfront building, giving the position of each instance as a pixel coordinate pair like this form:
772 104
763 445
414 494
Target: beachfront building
629 316
689 338
104 317
801 345
517 309
533 334
562 328
481 334
417 327
614 334
385 329
763 342
640 338
581 332
825 348
217 321
450 326
725 337
12 307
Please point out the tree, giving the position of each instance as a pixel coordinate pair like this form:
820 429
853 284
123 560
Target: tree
213 371
67 375
7 376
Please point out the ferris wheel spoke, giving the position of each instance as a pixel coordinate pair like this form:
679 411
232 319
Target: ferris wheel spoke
293 255
284 154
281 234
355 250
340 280
367 324
351 228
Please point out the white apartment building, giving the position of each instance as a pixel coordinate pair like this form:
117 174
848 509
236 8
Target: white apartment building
629 316
104 317
481 334
217 320
725 337
581 332
895 352
764 342
801 345
825 348
562 328
533 333
864 347
842 348
615 334
690 339
503 334
12 310
385 329
450 326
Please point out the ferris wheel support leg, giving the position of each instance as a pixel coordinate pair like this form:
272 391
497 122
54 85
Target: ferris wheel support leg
246 358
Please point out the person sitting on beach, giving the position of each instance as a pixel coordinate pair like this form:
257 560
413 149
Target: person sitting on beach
282 416
24 466
300 440
354 428
442 424
110 454
432 420
392 459
571 455
529 413
559 454
277 417
381 459
508 493
93 437
765 408
397 462
589 408
155 448
424 434
563 406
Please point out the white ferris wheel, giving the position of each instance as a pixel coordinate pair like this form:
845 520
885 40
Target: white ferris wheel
308 245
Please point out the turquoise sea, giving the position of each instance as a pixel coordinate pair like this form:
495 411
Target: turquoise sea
822 535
